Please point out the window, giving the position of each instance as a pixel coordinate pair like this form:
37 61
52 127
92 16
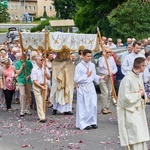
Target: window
33 7
29 7
51 7
44 8
26 7
11 6
15 6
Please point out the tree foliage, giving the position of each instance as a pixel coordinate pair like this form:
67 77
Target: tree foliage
40 26
4 15
65 9
93 13
131 19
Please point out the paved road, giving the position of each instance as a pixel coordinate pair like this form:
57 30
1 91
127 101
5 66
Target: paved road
2 37
59 133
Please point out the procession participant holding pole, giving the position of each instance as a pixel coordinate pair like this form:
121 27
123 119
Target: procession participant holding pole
37 76
62 83
86 108
23 69
132 123
105 85
113 93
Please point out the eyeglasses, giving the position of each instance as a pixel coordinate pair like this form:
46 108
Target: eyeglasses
108 52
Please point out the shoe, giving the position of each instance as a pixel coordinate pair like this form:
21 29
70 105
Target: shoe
88 128
21 115
9 109
109 112
28 112
104 111
43 120
50 105
16 101
2 105
94 126
54 112
148 103
68 113
114 102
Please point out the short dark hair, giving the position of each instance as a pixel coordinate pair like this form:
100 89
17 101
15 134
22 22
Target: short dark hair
137 43
80 51
86 51
137 62
147 54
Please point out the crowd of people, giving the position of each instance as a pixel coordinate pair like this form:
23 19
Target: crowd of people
24 79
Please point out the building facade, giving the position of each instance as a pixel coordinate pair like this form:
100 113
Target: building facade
24 10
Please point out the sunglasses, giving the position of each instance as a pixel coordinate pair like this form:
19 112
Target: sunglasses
108 52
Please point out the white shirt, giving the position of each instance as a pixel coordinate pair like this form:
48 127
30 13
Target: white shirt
103 67
38 74
111 46
124 56
127 64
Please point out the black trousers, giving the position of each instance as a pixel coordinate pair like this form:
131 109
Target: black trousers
8 97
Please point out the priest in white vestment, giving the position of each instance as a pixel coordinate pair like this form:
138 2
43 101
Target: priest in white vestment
62 88
132 122
86 108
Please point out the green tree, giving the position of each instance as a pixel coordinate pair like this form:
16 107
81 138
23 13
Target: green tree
40 26
4 15
93 13
131 19
65 9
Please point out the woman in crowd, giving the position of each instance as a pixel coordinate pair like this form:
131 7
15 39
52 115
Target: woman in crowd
9 84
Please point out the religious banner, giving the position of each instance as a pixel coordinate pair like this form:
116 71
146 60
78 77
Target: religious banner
33 41
72 41
57 41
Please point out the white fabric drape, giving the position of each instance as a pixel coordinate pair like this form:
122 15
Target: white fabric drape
73 41
33 40
58 41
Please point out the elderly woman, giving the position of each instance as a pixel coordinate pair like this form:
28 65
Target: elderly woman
9 84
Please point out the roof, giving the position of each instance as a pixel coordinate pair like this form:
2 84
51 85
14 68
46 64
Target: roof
61 23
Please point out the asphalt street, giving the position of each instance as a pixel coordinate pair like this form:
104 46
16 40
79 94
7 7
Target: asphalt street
59 133
2 37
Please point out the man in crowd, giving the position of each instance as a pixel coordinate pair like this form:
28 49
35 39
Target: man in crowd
105 85
37 76
23 69
110 43
133 129
127 63
129 50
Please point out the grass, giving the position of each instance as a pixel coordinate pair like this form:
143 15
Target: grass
3 30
